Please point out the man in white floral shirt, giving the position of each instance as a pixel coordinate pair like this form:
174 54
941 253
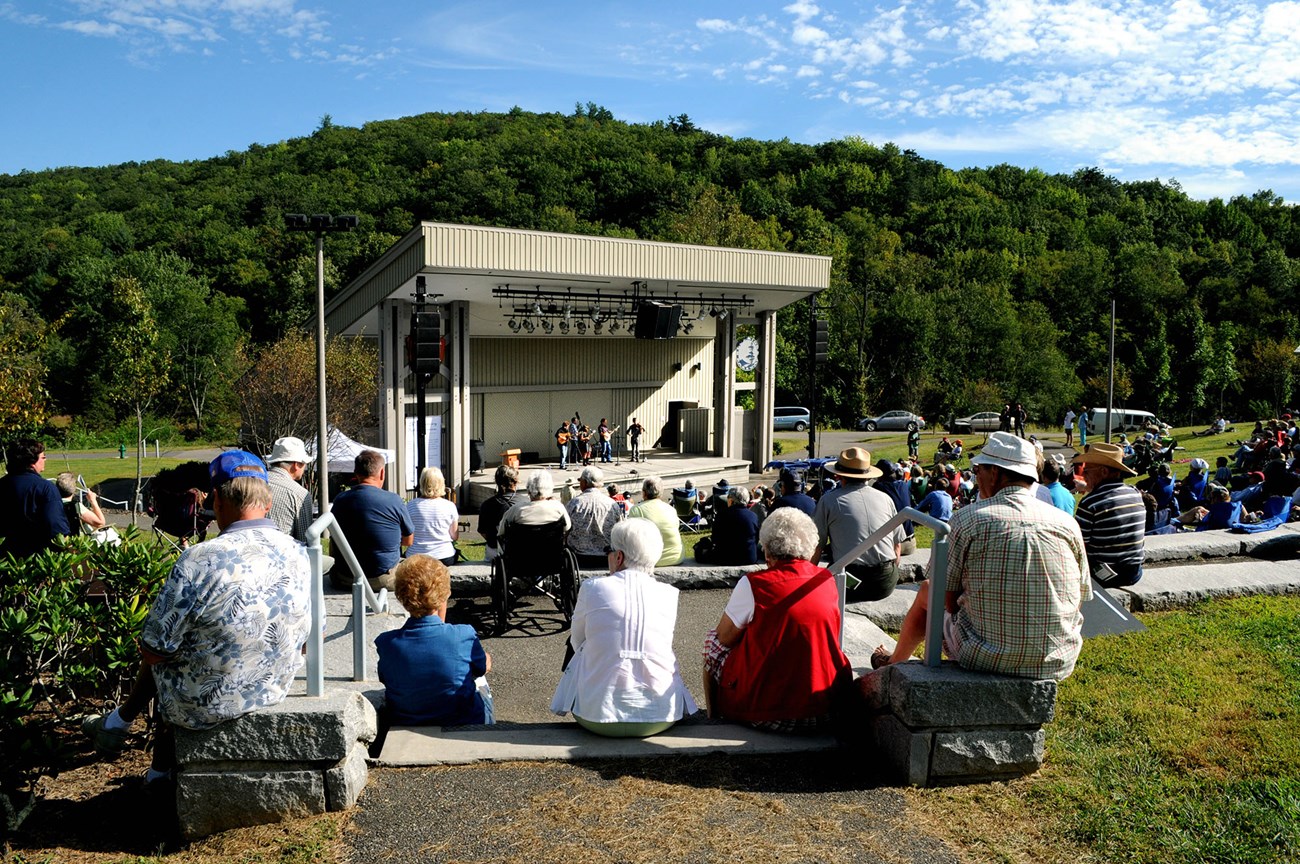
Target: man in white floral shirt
225 634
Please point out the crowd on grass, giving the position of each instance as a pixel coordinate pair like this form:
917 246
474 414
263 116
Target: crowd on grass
1028 536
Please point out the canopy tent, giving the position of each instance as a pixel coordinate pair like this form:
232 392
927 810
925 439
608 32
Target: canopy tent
342 452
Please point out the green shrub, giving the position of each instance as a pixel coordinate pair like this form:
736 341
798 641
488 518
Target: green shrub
68 627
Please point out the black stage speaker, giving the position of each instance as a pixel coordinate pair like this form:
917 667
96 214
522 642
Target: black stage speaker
475 455
657 321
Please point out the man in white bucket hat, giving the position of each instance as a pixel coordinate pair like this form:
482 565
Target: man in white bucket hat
1017 576
291 506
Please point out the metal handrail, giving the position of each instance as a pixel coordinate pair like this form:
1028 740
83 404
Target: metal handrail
938 575
362 596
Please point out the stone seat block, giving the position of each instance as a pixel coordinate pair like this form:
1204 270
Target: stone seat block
1191 544
299 729
211 801
949 696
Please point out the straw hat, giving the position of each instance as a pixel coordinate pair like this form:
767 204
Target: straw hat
1109 455
855 463
1015 454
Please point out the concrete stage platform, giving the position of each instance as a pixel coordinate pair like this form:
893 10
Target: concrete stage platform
675 469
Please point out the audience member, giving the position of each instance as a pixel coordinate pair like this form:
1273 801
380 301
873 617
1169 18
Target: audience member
623 680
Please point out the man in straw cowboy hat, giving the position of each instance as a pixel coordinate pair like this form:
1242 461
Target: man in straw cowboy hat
847 515
1111 516
1017 576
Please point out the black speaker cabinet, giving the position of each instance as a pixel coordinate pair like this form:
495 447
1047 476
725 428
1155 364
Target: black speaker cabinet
657 321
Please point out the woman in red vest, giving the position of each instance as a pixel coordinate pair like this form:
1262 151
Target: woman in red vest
775 659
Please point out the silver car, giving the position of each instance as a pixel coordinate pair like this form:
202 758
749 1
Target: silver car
891 421
983 421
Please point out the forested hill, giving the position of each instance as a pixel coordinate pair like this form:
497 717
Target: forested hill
952 290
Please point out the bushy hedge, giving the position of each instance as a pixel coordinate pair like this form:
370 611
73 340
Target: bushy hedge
68 627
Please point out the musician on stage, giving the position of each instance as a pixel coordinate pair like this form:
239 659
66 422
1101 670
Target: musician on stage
584 443
562 442
634 439
603 432
575 453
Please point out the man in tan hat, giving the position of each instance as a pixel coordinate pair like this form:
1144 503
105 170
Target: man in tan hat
847 515
1111 516
1017 576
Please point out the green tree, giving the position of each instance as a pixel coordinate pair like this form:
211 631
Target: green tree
23 400
278 385
140 363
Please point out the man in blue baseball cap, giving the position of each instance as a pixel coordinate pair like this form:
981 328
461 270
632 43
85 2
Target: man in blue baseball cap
225 633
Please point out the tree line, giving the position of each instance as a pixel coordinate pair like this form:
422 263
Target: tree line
135 287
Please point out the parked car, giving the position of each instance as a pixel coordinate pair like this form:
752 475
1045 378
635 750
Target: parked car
785 419
891 421
982 421
1123 420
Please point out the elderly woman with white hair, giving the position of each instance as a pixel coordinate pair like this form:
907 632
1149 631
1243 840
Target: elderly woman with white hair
540 508
664 517
623 680
435 518
774 660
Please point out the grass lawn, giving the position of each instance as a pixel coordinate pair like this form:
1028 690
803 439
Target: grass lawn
101 471
1178 744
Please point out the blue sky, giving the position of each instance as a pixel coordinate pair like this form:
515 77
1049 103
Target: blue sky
1204 93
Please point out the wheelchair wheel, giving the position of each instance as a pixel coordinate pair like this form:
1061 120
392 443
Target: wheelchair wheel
570 581
500 595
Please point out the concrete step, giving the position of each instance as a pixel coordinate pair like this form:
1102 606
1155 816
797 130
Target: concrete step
433 745
1171 587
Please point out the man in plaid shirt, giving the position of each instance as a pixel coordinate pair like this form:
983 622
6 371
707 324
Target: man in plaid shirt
1017 576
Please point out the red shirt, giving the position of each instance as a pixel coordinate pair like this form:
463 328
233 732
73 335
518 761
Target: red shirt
789 659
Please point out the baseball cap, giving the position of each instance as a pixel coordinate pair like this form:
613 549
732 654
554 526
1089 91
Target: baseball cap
236 463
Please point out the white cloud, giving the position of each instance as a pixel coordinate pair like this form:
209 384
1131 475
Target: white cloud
715 25
91 28
147 26
808 72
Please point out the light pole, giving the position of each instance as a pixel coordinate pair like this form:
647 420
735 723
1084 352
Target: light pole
319 224
1110 386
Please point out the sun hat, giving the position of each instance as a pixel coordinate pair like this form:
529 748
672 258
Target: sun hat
234 464
1015 454
288 449
1109 455
855 463
1199 464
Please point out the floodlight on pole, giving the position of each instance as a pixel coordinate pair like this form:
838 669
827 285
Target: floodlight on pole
319 224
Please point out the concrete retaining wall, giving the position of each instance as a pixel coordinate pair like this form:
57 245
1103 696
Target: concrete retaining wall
302 757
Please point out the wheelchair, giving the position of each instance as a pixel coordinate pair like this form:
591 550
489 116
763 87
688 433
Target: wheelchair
535 559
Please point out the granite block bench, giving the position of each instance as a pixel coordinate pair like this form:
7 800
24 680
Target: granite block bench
945 725
302 757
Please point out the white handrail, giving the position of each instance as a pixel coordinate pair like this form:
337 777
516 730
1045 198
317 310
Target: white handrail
938 575
362 596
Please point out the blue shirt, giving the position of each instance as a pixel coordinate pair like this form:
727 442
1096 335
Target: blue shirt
374 520
428 669
937 503
798 500
1061 497
31 513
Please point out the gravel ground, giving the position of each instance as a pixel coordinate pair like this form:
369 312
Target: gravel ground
702 809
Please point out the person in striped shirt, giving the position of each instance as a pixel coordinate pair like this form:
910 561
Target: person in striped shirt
1111 517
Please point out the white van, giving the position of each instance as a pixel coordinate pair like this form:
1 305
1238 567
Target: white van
1122 420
